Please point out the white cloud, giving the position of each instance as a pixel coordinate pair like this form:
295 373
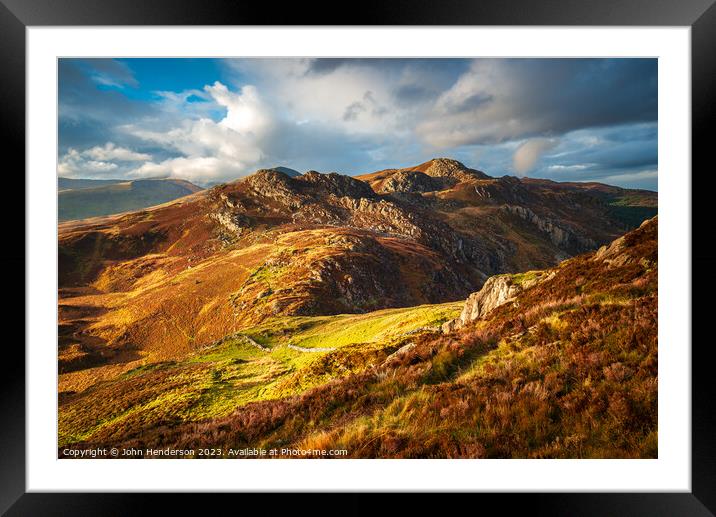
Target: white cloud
110 152
96 161
246 113
196 169
214 150
112 73
527 154
351 98
569 168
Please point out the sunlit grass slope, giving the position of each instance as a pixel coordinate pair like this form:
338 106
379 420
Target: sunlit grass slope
253 365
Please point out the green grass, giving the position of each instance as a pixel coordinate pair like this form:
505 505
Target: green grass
139 370
265 273
357 338
527 276
213 382
635 199
347 329
231 350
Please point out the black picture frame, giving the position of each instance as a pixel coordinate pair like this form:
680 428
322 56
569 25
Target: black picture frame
700 15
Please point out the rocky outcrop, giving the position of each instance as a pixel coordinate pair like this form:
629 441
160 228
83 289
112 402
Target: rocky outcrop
382 216
394 218
613 253
275 185
497 291
619 252
337 184
560 237
411 181
448 168
483 192
230 222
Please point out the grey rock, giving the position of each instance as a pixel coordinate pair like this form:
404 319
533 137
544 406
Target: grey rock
497 291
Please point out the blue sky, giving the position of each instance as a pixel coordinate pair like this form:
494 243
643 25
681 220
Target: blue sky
213 120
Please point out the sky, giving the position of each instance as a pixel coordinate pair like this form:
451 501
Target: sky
216 120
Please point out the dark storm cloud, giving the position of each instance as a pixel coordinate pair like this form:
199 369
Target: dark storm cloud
445 68
541 97
601 93
326 65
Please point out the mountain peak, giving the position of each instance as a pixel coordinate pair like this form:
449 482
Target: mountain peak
276 174
446 162
433 175
449 168
444 168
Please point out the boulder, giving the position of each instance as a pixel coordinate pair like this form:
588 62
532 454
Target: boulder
497 291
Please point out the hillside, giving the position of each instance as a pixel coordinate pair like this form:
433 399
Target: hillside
80 199
81 183
557 363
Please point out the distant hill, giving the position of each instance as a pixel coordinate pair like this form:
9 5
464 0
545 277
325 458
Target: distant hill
75 184
80 199
287 171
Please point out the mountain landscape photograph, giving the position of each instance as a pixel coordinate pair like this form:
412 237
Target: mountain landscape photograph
357 258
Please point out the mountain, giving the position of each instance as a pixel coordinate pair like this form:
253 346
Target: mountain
75 184
80 199
436 174
287 171
555 363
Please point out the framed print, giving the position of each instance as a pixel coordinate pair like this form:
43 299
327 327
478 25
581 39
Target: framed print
416 253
